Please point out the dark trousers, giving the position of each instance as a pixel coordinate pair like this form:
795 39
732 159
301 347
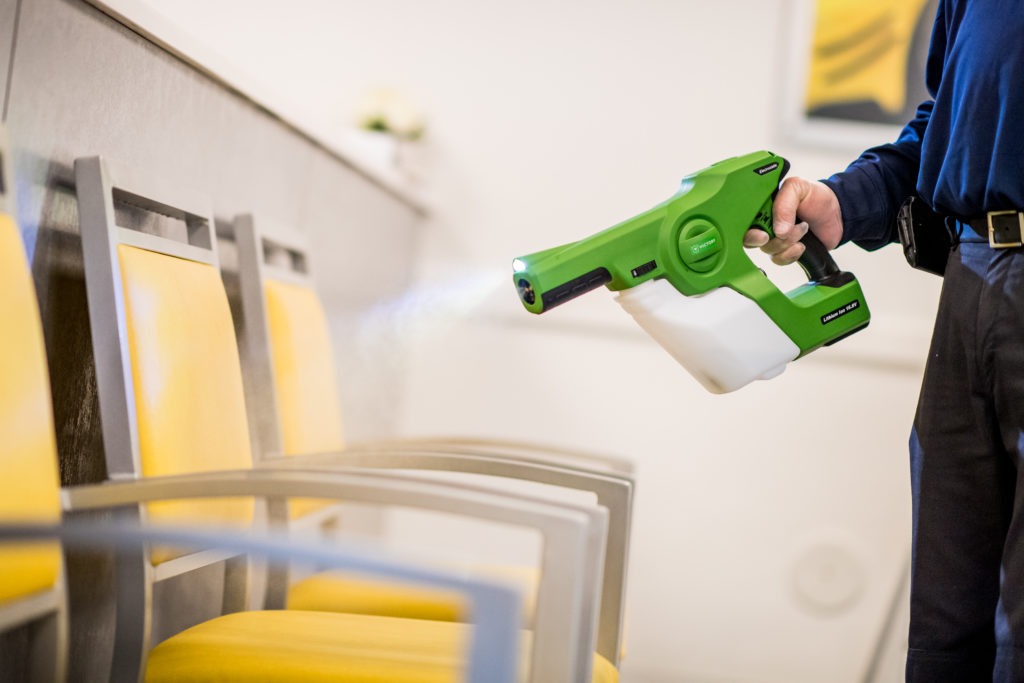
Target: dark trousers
967 581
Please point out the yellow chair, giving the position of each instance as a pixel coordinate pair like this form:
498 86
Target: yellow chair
295 411
172 407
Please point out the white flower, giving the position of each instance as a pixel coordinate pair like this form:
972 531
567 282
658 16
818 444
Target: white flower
389 111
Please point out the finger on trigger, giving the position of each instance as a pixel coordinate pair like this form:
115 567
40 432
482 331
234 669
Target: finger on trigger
790 254
755 238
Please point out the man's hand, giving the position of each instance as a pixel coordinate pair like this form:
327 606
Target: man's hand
799 205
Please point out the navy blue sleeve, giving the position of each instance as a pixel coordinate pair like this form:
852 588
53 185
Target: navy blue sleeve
873 187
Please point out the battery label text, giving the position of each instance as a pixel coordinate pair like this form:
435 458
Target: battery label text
840 312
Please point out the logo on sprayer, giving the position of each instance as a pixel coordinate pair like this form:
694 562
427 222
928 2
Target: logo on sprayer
767 168
703 246
840 312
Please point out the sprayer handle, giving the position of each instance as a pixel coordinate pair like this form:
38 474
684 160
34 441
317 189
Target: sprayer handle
816 261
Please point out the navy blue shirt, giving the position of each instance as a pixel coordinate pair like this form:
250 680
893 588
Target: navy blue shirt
964 151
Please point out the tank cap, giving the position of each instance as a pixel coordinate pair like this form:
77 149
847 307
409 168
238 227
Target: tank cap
700 245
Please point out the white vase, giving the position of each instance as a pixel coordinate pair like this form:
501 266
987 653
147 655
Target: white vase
380 150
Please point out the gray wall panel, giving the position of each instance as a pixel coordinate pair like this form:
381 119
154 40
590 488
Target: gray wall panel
360 230
84 85
362 265
260 166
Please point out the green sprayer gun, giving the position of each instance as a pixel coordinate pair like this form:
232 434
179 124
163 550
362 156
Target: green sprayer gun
681 270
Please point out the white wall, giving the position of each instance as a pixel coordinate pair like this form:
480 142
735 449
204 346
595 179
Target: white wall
549 121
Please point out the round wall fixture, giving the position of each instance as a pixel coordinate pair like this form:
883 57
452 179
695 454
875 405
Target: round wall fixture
828 578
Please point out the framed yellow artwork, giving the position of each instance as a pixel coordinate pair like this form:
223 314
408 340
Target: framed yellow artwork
861 67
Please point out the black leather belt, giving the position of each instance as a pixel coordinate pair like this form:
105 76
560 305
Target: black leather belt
1005 229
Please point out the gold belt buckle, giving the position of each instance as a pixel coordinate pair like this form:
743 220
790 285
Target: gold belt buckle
1005 229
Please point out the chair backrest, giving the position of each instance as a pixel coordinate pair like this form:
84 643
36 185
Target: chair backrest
167 369
169 386
286 341
31 576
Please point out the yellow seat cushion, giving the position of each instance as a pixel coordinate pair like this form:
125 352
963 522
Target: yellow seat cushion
290 645
341 592
189 401
29 483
